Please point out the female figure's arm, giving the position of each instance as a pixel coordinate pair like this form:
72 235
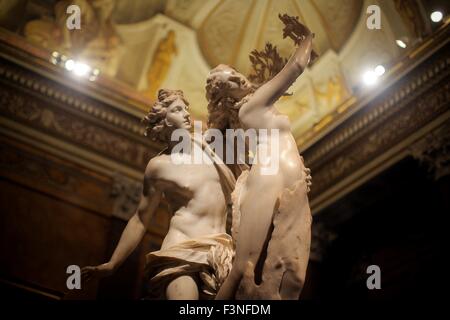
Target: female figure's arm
269 93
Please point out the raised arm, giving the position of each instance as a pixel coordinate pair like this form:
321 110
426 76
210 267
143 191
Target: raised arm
132 235
272 90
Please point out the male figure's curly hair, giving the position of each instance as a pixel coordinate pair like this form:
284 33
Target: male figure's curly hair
155 121
223 110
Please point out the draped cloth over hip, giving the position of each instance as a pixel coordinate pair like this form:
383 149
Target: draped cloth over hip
208 259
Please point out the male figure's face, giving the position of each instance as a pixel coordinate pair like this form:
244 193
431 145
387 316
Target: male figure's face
178 116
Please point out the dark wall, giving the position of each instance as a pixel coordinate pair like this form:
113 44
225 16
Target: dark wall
54 214
396 221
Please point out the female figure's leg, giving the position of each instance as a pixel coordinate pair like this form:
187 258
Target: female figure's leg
257 208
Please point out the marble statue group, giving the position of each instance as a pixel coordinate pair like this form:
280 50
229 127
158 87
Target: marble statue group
263 253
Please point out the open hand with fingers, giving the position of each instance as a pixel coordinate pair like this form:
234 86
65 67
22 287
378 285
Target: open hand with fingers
96 272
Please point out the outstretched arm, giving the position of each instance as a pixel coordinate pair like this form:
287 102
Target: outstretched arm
136 227
131 236
269 93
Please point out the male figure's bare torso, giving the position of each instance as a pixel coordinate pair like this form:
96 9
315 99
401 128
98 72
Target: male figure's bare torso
195 198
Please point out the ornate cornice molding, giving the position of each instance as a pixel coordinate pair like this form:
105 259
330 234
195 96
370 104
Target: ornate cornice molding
55 121
397 70
68 97
433 151
19 51
65 96
419 98
378 111
62 112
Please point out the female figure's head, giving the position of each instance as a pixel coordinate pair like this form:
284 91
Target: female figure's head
170 112
225 90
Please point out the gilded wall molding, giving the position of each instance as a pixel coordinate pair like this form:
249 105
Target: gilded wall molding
46 106
433 151
388 133
417 99
45 88
380 110
22 107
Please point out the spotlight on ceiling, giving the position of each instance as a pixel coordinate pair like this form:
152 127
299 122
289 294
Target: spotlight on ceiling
370 78
81 69
379 70
78 68
69 65
401 43
436 16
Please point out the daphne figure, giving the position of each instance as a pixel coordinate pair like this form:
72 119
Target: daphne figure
273 236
